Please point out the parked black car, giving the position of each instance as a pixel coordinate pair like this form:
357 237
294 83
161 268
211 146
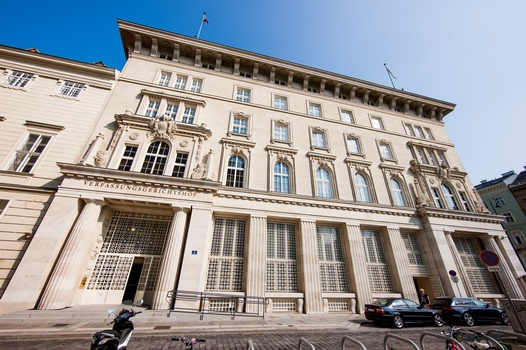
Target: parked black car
468 310
399 311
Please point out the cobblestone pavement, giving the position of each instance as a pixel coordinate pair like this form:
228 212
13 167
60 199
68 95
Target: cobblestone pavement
370 336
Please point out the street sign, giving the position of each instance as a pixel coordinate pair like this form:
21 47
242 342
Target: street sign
494 268
489 258
452 273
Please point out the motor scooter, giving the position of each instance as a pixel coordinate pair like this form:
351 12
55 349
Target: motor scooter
118 337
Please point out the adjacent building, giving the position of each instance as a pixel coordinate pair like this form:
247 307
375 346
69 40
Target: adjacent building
213 169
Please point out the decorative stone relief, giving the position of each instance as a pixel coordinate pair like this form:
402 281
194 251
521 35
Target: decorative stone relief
162 127
99 158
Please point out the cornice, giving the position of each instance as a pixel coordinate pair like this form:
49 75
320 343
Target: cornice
459 215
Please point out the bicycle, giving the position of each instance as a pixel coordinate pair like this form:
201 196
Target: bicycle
480 341
189 342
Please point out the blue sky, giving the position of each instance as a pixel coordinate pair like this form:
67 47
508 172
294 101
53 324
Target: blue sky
471 52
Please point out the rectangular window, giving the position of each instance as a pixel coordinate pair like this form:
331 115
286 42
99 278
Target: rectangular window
437 198
419 132
243 95
165 79
280 102
333 272
240 125
180 83
152 109
353 145
409 129
518 236
377 123
499 202
180 164
385 151
245 74
128 157
414 255
314 110
71 89
27 156
429 134
377 267
189 115
318 139
281 132
509 217
19 79
196 85
282 264
347 117
225 262
171 110
464 200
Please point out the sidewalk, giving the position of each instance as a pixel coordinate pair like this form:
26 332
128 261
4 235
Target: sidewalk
87 319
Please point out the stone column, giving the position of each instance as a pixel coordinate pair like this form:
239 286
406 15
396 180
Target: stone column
358 266
505 274
310 271
170 263
464 282
65 279
401 270
256 260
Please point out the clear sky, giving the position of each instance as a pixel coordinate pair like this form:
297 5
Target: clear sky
468 52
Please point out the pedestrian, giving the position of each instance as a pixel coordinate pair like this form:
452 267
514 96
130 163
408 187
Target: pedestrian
424 298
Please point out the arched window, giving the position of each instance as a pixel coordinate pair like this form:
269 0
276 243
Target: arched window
396 191
448 195
281 177
362 189
156 158
323 182
235 172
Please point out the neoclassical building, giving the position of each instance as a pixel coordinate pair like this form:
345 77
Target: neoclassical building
213 169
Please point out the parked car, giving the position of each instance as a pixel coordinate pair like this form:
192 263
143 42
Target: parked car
399 311
468 310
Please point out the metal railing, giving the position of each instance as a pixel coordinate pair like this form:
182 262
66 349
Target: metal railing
305 342
346 339
210 303
405 340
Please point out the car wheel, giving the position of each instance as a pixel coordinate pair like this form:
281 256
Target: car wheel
504 319
468 319
439 322
398 321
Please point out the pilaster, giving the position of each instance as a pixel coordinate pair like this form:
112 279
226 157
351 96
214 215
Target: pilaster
505 274
256 259
401 270
358 266
308 259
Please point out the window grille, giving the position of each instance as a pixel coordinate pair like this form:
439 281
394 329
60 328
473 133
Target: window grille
282 264
225 265
476 272
333 273
414 255
377 268
149 273
284 305
222 305
338 305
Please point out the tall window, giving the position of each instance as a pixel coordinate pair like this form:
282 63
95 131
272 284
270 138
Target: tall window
165 78
225 264
196 85
396 191
188 115
240 125
243 95
281 177
281 132
280 102
180 83
235 172
450 198
414 255
377 123
323 182
465 202
318 139
347 116
171 110
128 157
477 273
377 267
314 109
71 89
436 198
156 158
19 79
27 156
362 189
333 273
353 144
282 263
180 164
385 151
152 109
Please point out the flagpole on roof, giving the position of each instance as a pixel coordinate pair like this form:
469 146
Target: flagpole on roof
201 26
390 74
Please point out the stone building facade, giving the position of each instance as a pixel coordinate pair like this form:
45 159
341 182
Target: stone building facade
213 169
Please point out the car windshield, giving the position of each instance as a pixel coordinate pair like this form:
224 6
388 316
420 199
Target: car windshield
380 302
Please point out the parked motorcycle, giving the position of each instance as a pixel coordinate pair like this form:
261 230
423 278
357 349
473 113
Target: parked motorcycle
118 337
